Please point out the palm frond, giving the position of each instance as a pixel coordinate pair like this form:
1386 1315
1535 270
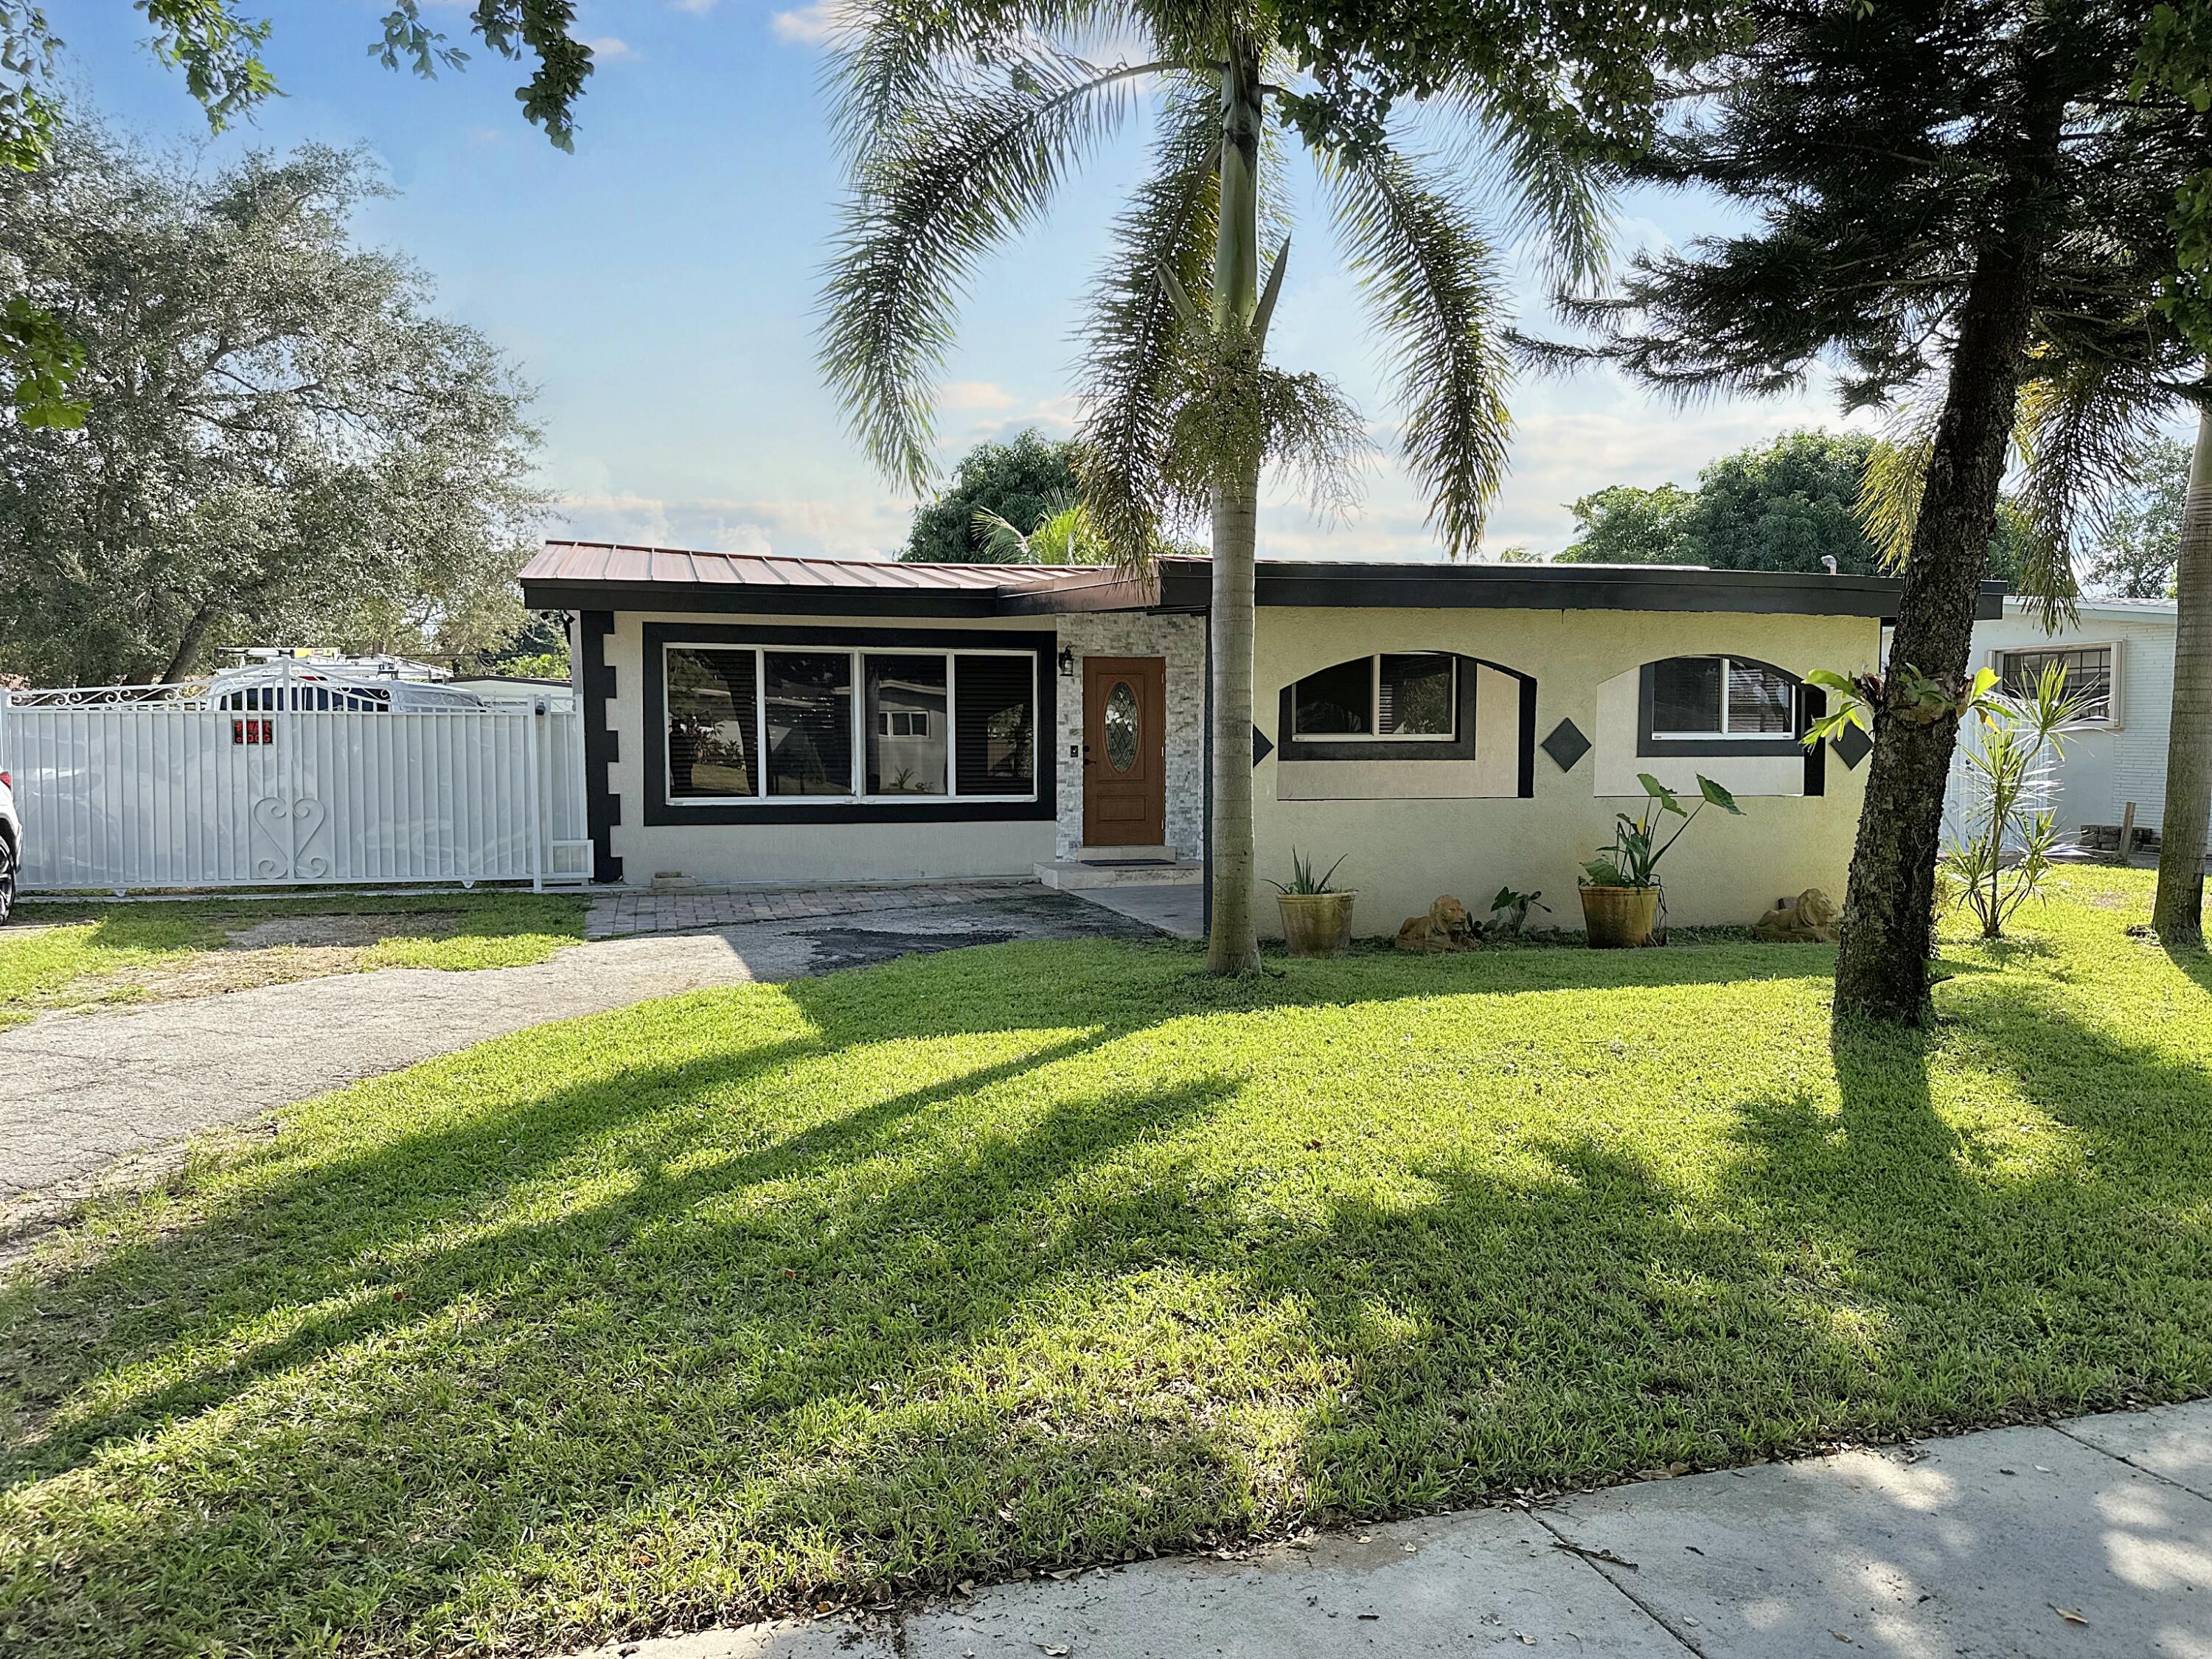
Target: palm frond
1129 351
892 58
951 182
1433 279
2080 429
1560 187
1895 478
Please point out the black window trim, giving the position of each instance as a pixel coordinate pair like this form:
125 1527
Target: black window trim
1322 751
1654 745
1375 734
660 811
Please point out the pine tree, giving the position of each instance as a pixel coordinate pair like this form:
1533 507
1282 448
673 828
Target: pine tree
1951 198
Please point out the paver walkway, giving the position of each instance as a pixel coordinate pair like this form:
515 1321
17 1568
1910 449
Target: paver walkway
2090 1538
85 1089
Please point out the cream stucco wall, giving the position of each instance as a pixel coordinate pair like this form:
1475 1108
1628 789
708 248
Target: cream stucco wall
775 853
1402 853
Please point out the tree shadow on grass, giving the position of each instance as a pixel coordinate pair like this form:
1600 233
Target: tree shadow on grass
846 1284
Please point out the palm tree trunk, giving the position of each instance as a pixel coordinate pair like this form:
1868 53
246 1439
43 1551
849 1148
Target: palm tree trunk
2178 912
1232 944
1887 923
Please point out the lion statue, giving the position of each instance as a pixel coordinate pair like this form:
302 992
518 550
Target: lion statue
1808 919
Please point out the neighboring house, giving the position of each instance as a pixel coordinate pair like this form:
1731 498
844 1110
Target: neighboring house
2119 654
1447 728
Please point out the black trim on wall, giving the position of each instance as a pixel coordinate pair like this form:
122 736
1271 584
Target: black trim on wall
1649 747
1185 585
602 805
1812 704
660 811
1322 751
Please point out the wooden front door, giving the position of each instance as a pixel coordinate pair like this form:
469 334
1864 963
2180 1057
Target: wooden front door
1124 726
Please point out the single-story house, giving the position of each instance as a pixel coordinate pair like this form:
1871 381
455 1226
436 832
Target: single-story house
2119 656
1445 728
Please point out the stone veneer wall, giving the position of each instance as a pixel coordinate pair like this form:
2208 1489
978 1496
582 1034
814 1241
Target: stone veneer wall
1182 640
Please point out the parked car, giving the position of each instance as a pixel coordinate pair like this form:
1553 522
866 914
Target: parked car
11 845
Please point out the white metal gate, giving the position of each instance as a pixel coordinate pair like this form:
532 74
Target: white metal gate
301 779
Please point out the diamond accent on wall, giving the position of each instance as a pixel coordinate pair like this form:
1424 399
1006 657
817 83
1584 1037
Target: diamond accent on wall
1566 745
1852 746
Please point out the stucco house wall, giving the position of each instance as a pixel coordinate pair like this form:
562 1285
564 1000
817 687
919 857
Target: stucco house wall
2106 766
1402 853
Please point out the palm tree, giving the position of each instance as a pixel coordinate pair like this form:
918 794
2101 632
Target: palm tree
2178 909
958 123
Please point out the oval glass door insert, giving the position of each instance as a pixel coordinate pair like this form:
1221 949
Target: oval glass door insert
1121 726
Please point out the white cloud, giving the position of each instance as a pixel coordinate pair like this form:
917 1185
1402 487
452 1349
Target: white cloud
861 526
610 49
975 395
814 25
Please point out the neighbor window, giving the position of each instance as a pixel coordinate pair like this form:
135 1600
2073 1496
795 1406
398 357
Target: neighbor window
746 724
1721 697
2088 670
1393 695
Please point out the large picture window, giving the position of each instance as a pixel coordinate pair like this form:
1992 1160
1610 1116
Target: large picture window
1721 697
2088 670
822 725
1409 694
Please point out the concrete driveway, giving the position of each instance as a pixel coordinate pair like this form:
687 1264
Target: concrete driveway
2091 1538
86 1090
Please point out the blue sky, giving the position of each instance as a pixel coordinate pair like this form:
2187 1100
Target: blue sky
658 285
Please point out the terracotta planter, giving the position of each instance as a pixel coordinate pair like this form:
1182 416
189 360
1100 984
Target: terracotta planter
1317 924
1619 917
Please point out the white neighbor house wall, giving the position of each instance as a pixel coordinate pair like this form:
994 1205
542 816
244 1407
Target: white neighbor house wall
155 787
2106 766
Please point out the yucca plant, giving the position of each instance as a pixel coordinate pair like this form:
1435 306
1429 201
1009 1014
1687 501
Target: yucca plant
1303 883
2009 771
960 119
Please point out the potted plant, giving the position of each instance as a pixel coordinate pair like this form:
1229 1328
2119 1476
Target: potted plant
1620 889
1316 917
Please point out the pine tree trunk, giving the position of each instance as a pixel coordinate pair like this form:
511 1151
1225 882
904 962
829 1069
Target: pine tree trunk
1887 924
2178 912
1232 943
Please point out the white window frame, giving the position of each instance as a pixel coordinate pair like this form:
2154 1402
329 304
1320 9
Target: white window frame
2111 719
1728 664
1375 734
857 656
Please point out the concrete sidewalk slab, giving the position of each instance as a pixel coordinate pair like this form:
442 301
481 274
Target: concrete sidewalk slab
1489 1582
2082 1539
2010 1541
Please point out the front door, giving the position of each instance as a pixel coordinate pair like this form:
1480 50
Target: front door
1125 793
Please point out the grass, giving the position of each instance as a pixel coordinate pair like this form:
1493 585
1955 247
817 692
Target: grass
63 954
1041 1254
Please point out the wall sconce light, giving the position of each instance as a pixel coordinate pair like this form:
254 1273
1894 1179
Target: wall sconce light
1066 663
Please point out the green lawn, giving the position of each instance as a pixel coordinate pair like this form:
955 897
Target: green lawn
61 955
1048 1254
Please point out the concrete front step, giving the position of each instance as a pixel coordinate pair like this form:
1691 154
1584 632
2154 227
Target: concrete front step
1074 875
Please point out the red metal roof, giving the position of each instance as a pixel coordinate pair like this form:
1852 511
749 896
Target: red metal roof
616 563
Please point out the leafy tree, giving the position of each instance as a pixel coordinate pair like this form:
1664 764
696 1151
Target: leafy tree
282 443
960 120
1624 525
1020 482
2134 555
218 49
1935 185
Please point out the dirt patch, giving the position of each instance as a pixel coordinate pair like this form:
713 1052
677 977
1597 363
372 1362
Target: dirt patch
342 928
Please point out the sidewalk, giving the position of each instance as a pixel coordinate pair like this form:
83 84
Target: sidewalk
2092 1537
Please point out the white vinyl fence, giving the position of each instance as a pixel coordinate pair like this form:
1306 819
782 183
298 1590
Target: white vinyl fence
301 778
